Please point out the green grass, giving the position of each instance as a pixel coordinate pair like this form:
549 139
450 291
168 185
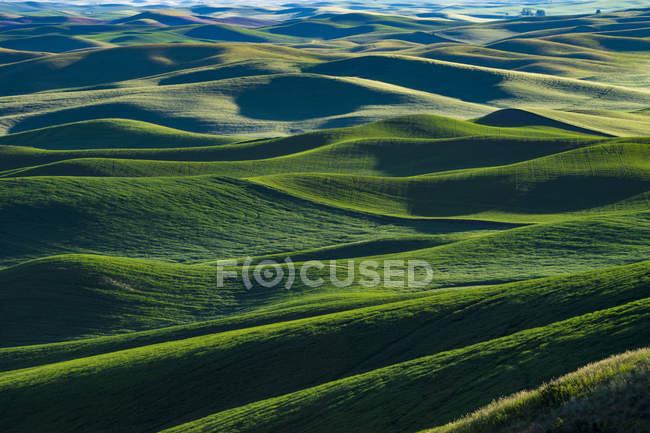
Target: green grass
226 33
538 61
541 189
280 310
604 121
434 144
604 42
607 395
171 293
88 68
186 219
378 337
232 106
245 68
543 47
111 134
514 88
11 56
50 43
405 396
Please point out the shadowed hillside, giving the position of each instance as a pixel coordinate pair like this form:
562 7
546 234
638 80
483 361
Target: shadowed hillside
604 395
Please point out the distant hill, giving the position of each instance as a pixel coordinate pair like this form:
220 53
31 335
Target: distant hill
10 56
169 18
51 44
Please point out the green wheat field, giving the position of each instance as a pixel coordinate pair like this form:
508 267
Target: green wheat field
148 150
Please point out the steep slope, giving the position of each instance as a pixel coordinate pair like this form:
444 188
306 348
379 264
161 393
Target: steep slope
606 395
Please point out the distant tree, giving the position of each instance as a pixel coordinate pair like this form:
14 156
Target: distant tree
597 11
527 12
540 13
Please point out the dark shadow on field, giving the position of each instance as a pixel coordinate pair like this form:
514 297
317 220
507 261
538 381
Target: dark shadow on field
425 38
513 117
344 122
110 110
466 83
102 66
220 73
48 43
186 220
66 29
498 193
220 33
307 97
417 157
320 30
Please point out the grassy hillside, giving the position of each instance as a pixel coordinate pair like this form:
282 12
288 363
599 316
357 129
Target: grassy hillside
606 42
434 144
50 43
512 87
189 219
11 56
236 106
110 134
368 157
366 329
558 64
607 395
604 121
221 32
550 48
354 402
574 181
87 68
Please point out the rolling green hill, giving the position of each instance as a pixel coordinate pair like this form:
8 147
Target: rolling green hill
435 144
166 17
191 219
604 42
221 32
87 68
110 134
604 395
619 123
354 402
236 106
50 43
434 363
534 190
11 56
513 87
